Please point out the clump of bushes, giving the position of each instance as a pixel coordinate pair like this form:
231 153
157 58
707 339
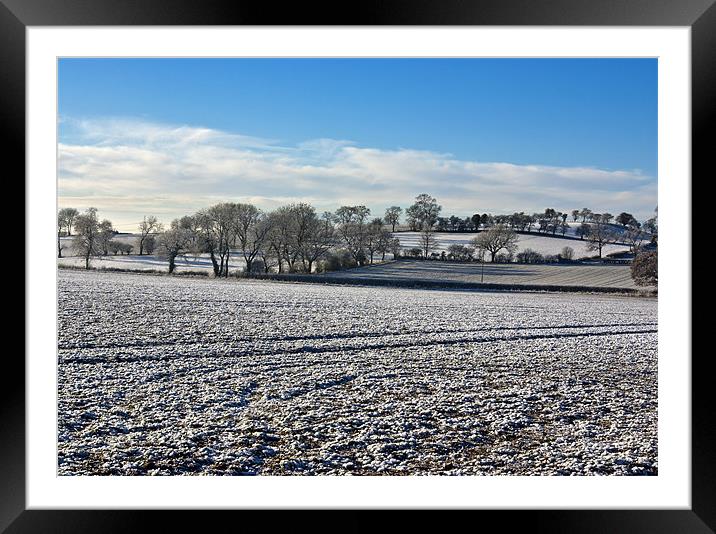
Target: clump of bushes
150 244
335 261
415 252
529 256
644 268
460 252
115 247
504 257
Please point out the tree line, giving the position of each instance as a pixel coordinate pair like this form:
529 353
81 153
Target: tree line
295 238
292 238
550 221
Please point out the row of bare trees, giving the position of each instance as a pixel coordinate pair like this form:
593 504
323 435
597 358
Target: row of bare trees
92 237
292 238
289 239
95 237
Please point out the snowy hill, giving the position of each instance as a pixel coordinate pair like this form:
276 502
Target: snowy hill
543 243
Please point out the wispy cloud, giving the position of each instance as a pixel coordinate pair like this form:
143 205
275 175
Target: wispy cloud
129 167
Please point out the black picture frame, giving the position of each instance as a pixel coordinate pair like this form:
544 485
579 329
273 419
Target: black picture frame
699 15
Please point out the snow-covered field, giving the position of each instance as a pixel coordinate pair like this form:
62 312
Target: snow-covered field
163 375
145 262
539 243
184 263
598 275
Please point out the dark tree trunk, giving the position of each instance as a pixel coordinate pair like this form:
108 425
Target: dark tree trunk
59 247
172 256
214 263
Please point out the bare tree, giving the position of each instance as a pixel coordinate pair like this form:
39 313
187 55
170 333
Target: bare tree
204 238
220 221
106 233
267 253
600 234
174 241
252 231
634 236
424 211
582 231
372 237
495 239
652 226
352 230
60 224
567 253
306 229
277 238
87 239
377 239
284 237
385 239
317 237
66 219
147 226
392 216
428 242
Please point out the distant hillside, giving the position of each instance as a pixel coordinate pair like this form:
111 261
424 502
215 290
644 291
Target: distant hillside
542 243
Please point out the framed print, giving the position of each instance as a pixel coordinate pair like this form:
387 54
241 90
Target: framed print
331 262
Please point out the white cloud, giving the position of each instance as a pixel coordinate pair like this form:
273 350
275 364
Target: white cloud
127 168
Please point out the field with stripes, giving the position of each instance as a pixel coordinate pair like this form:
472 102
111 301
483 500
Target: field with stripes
163 375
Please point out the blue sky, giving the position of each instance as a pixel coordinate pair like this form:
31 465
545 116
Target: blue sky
172 135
